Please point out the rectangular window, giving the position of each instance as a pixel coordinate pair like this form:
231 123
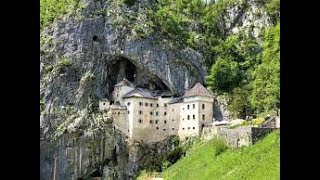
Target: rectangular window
151 121
172 110
172 128
156 121
140 103
151 113
188 107
188 117
157 105
193 116
128 112
140 121
165 122
165 105
164 129
172 119
193 106
157 128
188 127
157 113
203 106
146 104
203 117
182 128
151 104
128 103
165 113
140 112
193 128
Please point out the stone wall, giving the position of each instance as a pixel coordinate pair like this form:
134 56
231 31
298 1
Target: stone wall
236 137
242 136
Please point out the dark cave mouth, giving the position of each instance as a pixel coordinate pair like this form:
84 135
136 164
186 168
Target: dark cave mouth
124 68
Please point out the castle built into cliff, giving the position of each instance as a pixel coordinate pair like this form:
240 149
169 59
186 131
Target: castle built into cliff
152 115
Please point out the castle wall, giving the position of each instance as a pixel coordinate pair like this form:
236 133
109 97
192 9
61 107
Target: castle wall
104 105
173 118
195 113
150 121
119 91
120 119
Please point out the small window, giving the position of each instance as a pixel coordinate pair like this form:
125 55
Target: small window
151 113
146 104
172 110
157 113
164 129
172 119
140 112
165 113
140 121
151 104
128 112
118 112
188 117
157 105
193 128
165 122
104 103
182 119
172 128
193 116
157 128
188 127
123 113
203 117
151 121
156 121
165 105
182 108
193 106
203 106
188 107
140 103
128 103
182 128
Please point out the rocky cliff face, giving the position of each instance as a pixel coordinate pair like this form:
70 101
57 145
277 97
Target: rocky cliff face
81 57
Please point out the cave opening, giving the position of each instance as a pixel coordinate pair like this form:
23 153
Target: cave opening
124 68
95 38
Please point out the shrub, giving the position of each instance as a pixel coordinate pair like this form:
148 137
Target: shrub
175 140
220 146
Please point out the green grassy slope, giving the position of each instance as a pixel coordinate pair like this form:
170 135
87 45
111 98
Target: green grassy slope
260 161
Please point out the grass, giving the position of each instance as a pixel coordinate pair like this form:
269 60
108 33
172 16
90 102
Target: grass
260 161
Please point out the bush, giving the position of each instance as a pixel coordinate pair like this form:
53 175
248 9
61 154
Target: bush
220 146
175 140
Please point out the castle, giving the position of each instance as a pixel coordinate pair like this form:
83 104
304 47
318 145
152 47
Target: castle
153 115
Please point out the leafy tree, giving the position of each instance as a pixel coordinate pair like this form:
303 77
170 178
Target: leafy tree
224 76
266 83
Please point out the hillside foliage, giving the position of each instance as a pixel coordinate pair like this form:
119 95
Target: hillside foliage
260 161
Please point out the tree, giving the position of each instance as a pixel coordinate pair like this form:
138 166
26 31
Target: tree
224 76
266 83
